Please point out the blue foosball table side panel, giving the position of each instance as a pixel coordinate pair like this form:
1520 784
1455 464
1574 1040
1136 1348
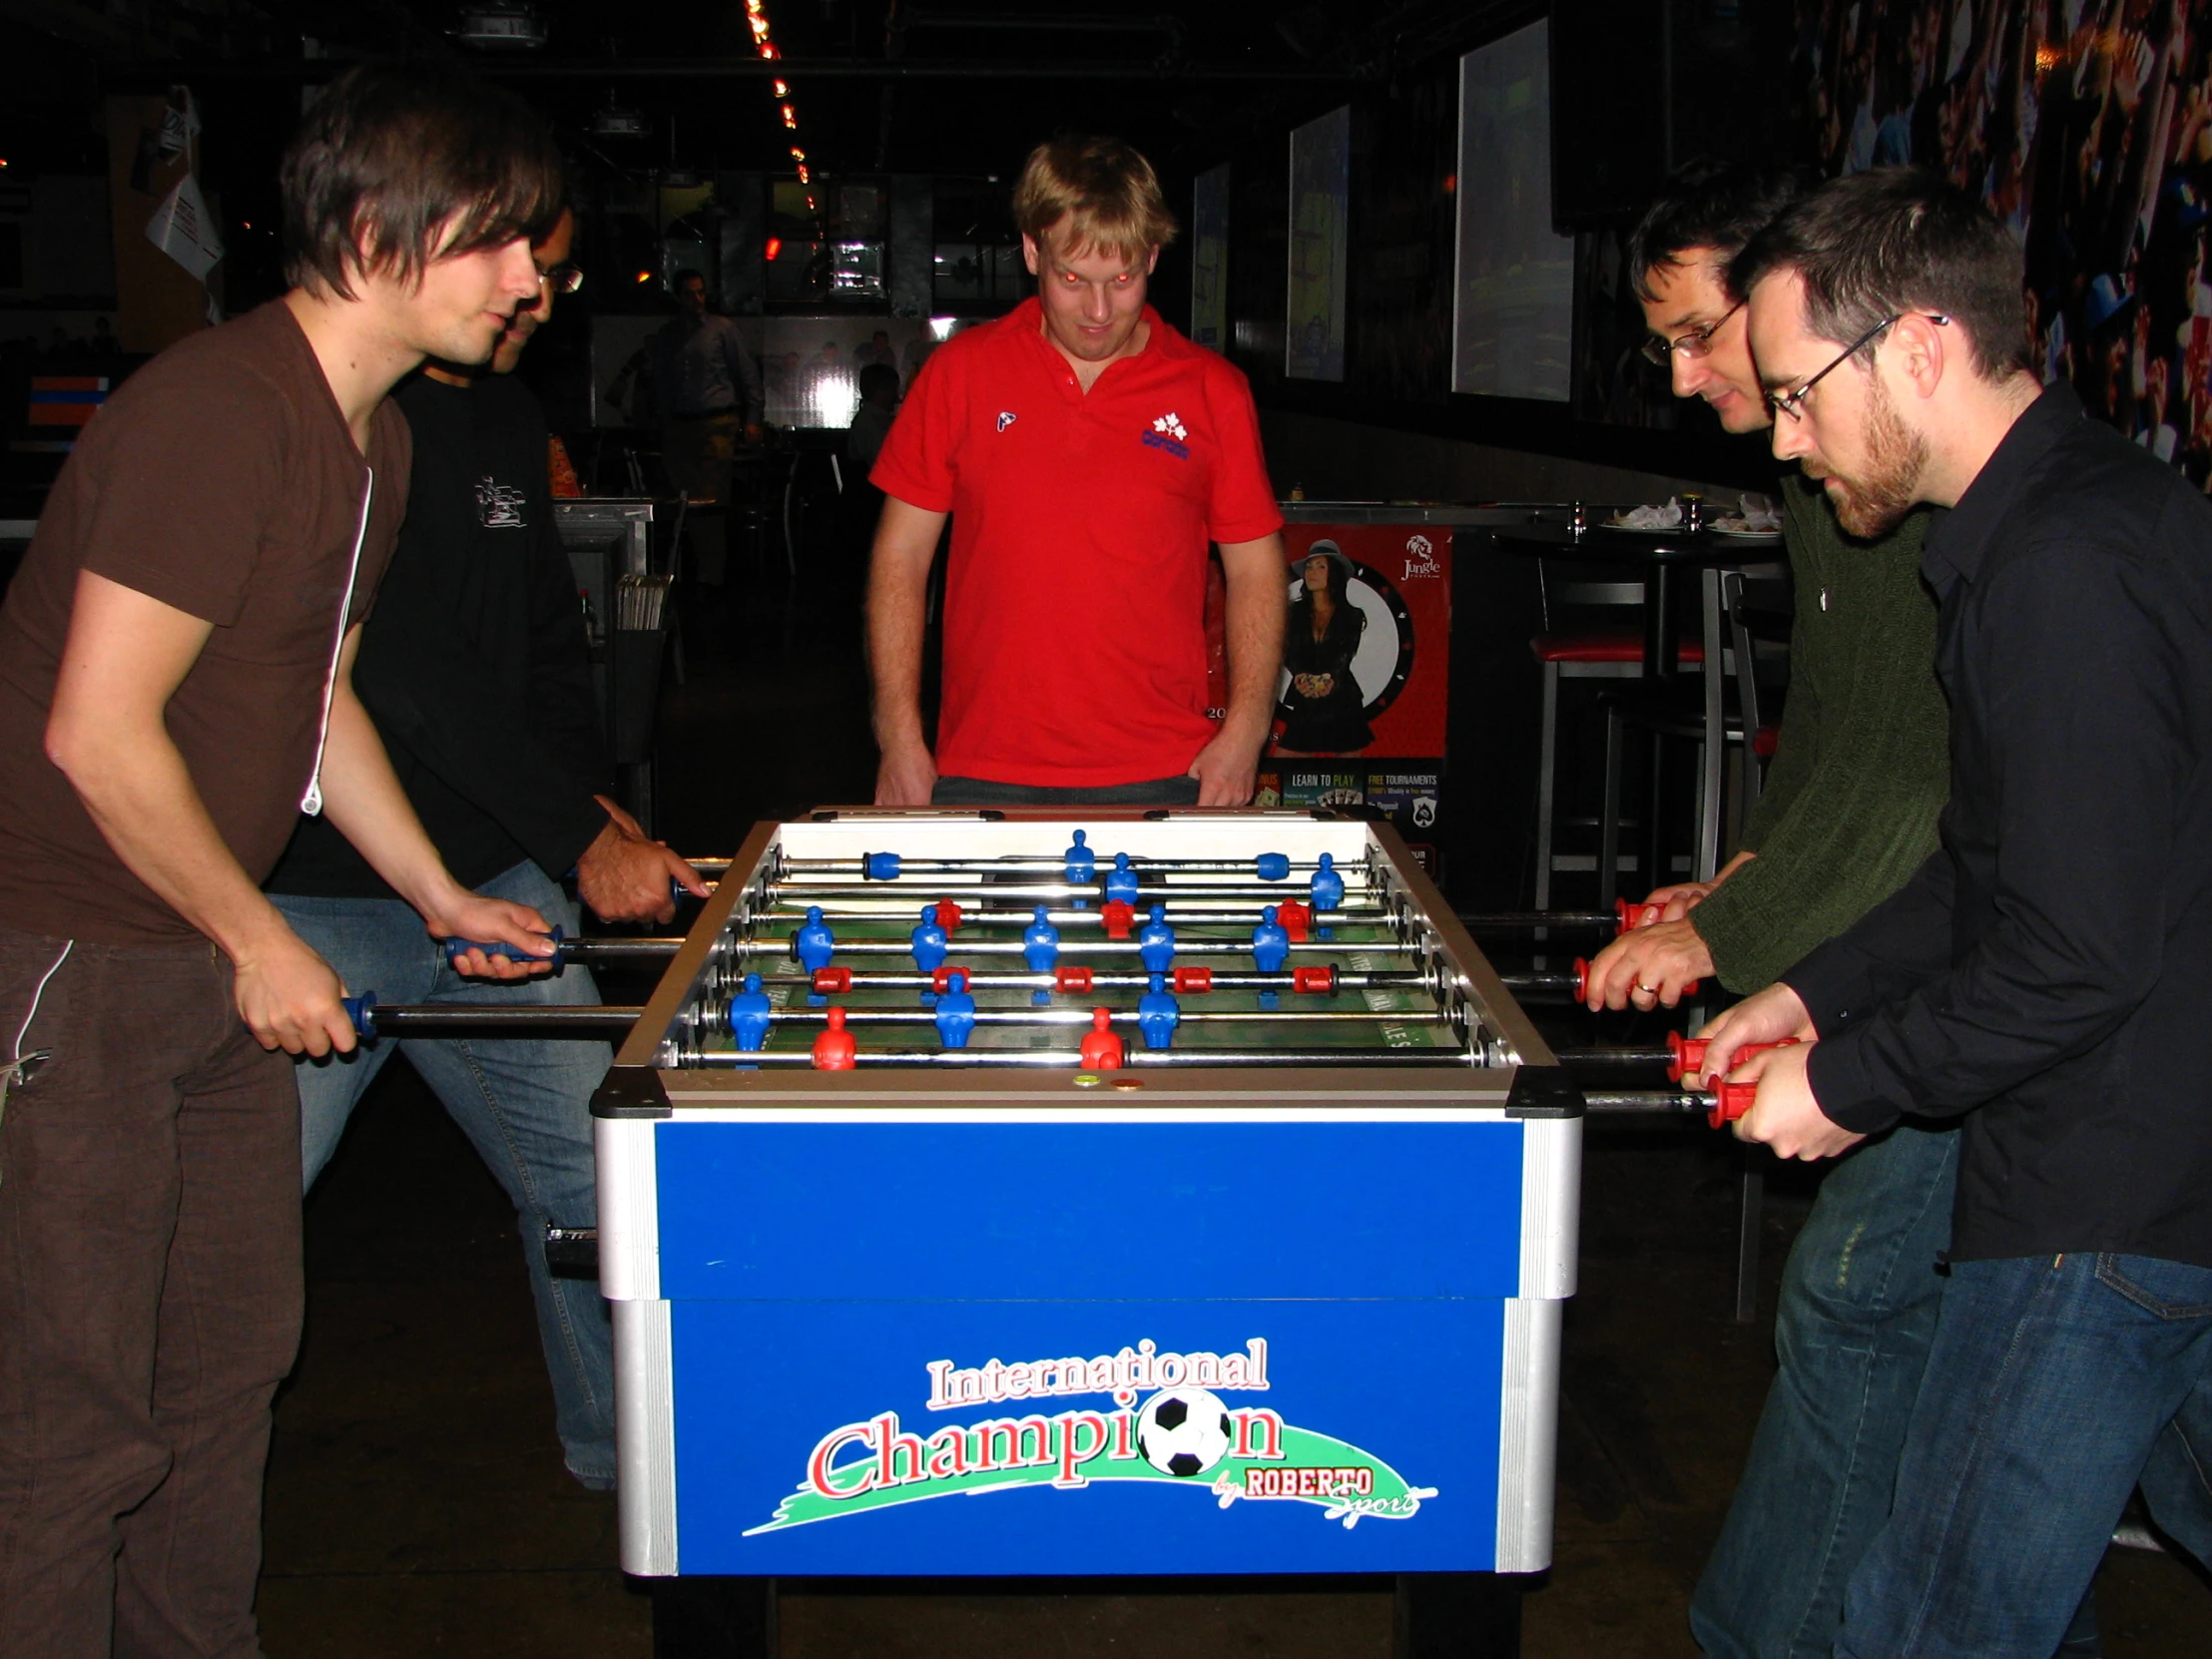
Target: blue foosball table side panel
1099 1342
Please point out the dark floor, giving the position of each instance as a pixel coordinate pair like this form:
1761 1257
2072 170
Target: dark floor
417 1499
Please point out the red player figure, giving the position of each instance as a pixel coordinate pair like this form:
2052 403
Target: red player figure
1293 918
833 1049
1117 914
1101 1049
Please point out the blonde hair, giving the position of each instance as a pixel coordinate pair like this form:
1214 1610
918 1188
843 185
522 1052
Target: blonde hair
1107 192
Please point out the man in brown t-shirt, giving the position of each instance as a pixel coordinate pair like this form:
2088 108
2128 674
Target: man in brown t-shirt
175 687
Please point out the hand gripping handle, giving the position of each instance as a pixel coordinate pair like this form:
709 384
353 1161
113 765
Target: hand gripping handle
1582 981
362 1011
1730 1100
456 948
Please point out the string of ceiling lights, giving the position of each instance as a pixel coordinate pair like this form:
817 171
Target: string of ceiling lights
756 17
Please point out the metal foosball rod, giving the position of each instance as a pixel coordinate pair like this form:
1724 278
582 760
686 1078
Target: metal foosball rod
566 950
1118 1016
897 909
896 867
1087 947
1078 864
1682 1056
1311 981
536 1019
1137 1059
1625 916
787 896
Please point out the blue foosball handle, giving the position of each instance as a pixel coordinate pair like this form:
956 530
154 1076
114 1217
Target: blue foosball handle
880 867
362 1011
1273 866
455 949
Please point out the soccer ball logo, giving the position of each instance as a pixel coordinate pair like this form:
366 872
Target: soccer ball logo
1183 1432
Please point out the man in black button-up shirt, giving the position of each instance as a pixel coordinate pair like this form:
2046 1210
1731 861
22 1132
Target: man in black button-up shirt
2042 976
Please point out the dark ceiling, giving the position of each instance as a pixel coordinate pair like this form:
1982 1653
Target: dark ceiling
964 86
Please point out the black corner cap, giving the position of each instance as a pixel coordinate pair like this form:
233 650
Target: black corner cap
992 814
1156 815
825 816
631 1092
1543 1092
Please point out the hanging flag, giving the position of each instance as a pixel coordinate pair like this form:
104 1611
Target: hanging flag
182 228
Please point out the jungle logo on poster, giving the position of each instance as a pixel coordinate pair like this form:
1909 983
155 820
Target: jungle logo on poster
1181 1432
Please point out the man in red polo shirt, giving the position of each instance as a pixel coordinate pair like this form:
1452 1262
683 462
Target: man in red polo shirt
1087 453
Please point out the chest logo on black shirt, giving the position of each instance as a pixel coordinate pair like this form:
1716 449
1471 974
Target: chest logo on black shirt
1168 432
499 505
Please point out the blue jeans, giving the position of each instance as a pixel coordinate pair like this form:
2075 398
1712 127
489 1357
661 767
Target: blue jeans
525 1104
2177 1481
1860 1295
2049 1382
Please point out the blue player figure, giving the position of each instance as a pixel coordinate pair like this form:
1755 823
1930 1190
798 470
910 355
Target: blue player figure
1270 944
929 945
750 1014
1157 1015
815 944
1121 880
1040 947
1082 862
955 1011
1329 890
1155 941
929 942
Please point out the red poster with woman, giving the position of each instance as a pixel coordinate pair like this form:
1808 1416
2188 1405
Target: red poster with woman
1361 705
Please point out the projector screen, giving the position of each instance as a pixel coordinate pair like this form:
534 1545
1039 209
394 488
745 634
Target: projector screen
1512 309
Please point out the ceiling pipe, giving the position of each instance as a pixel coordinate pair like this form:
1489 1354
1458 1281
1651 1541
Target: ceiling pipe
606 70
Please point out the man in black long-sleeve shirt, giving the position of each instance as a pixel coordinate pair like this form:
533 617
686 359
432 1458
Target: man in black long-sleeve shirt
476 672
2042 975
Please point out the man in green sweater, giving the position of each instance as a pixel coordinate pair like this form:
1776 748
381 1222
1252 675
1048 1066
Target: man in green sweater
1861 772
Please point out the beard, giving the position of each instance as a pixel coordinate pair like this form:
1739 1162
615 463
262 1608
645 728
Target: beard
1887 487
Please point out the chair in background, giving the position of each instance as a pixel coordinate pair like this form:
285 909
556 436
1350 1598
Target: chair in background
1714 723
1596 652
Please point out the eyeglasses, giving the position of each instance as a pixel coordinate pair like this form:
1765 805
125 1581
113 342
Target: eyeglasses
1696 344
1792 404
562 278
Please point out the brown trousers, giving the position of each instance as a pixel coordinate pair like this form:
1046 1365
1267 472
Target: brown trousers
698 451
150 1301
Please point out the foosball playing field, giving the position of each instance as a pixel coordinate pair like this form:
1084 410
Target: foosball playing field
1092 960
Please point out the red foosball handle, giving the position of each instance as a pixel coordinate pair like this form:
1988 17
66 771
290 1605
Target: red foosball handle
1634 915
1582 981
1730 1102
831 979
1689 1053
1193 981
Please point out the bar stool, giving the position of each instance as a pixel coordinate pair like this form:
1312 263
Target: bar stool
1603 652
1734 659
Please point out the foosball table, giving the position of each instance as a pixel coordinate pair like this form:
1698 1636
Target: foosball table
1185 1185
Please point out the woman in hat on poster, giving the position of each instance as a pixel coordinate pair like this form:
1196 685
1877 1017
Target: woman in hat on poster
1324 710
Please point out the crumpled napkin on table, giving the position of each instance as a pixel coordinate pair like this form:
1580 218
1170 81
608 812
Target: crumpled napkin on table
1649 518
